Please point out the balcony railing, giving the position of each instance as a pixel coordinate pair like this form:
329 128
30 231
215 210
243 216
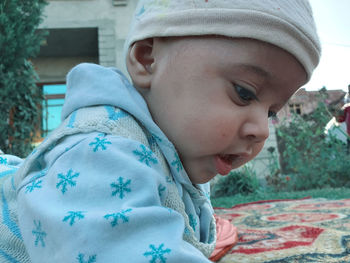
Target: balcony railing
120 2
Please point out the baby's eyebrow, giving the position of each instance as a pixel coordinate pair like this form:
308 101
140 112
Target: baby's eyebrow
254 69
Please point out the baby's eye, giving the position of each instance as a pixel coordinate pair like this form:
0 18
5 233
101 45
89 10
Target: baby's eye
244 94
272 114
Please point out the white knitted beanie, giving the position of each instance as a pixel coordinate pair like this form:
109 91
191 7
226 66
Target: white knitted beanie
288 24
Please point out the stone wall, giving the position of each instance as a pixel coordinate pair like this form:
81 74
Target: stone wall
261 161
111 18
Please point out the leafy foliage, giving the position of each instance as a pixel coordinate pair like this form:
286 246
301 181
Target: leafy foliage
243 181
19 97
274 179
309 159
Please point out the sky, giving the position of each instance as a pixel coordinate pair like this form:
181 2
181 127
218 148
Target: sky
333 25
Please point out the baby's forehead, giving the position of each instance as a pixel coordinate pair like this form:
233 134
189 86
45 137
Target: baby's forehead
211 43
233 57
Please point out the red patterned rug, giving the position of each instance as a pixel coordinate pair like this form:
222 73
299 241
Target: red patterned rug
286 231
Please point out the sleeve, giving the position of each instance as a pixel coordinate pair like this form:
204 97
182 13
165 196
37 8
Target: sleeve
340 116
101 201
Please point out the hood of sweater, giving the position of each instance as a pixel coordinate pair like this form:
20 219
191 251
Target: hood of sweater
92 85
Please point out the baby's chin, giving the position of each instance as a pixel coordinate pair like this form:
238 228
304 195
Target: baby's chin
204 171
201 177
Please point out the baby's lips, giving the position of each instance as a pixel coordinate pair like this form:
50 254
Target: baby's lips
223 165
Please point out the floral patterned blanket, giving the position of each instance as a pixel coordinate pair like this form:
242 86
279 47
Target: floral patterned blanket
281 231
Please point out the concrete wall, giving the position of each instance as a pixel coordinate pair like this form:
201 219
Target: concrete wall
260 162
110 17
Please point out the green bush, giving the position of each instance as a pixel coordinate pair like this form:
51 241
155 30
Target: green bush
243 181
19 97
311 161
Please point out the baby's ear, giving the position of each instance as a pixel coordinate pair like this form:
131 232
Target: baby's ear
139 62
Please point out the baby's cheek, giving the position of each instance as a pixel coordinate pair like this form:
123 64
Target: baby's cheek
257 148
223 134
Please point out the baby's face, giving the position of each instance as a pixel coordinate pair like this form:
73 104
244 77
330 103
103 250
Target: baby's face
212 97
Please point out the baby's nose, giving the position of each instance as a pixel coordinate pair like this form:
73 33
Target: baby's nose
256 128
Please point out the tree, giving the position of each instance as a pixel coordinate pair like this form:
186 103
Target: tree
309 158
19 95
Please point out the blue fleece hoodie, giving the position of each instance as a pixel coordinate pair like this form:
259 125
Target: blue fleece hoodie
108 186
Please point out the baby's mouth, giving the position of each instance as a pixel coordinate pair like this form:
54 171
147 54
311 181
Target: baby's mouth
223 163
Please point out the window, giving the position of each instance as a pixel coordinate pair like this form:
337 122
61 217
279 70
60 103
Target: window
52 107
120 2
295 108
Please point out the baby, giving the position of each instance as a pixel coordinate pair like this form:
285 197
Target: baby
125 177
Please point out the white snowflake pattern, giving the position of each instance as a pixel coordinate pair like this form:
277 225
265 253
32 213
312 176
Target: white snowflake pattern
99 143
116 216
115 115
66 180
121 187
3 160
34 185
192 222
39 234
157 254
145 156
161 189
177 162
72 216
81 259
169 179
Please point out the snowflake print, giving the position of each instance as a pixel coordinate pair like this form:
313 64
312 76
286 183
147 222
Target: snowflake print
146 156
66 180
157 254
116 216
156 137
153 139
72 216
39 234
169 179
35 184
121 187
170 210
193 222
72 120
81 259
161 189
187 231
3 160
177 162
99 143
114 115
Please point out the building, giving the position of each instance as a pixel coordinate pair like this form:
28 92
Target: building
79 31
304 102
95 31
